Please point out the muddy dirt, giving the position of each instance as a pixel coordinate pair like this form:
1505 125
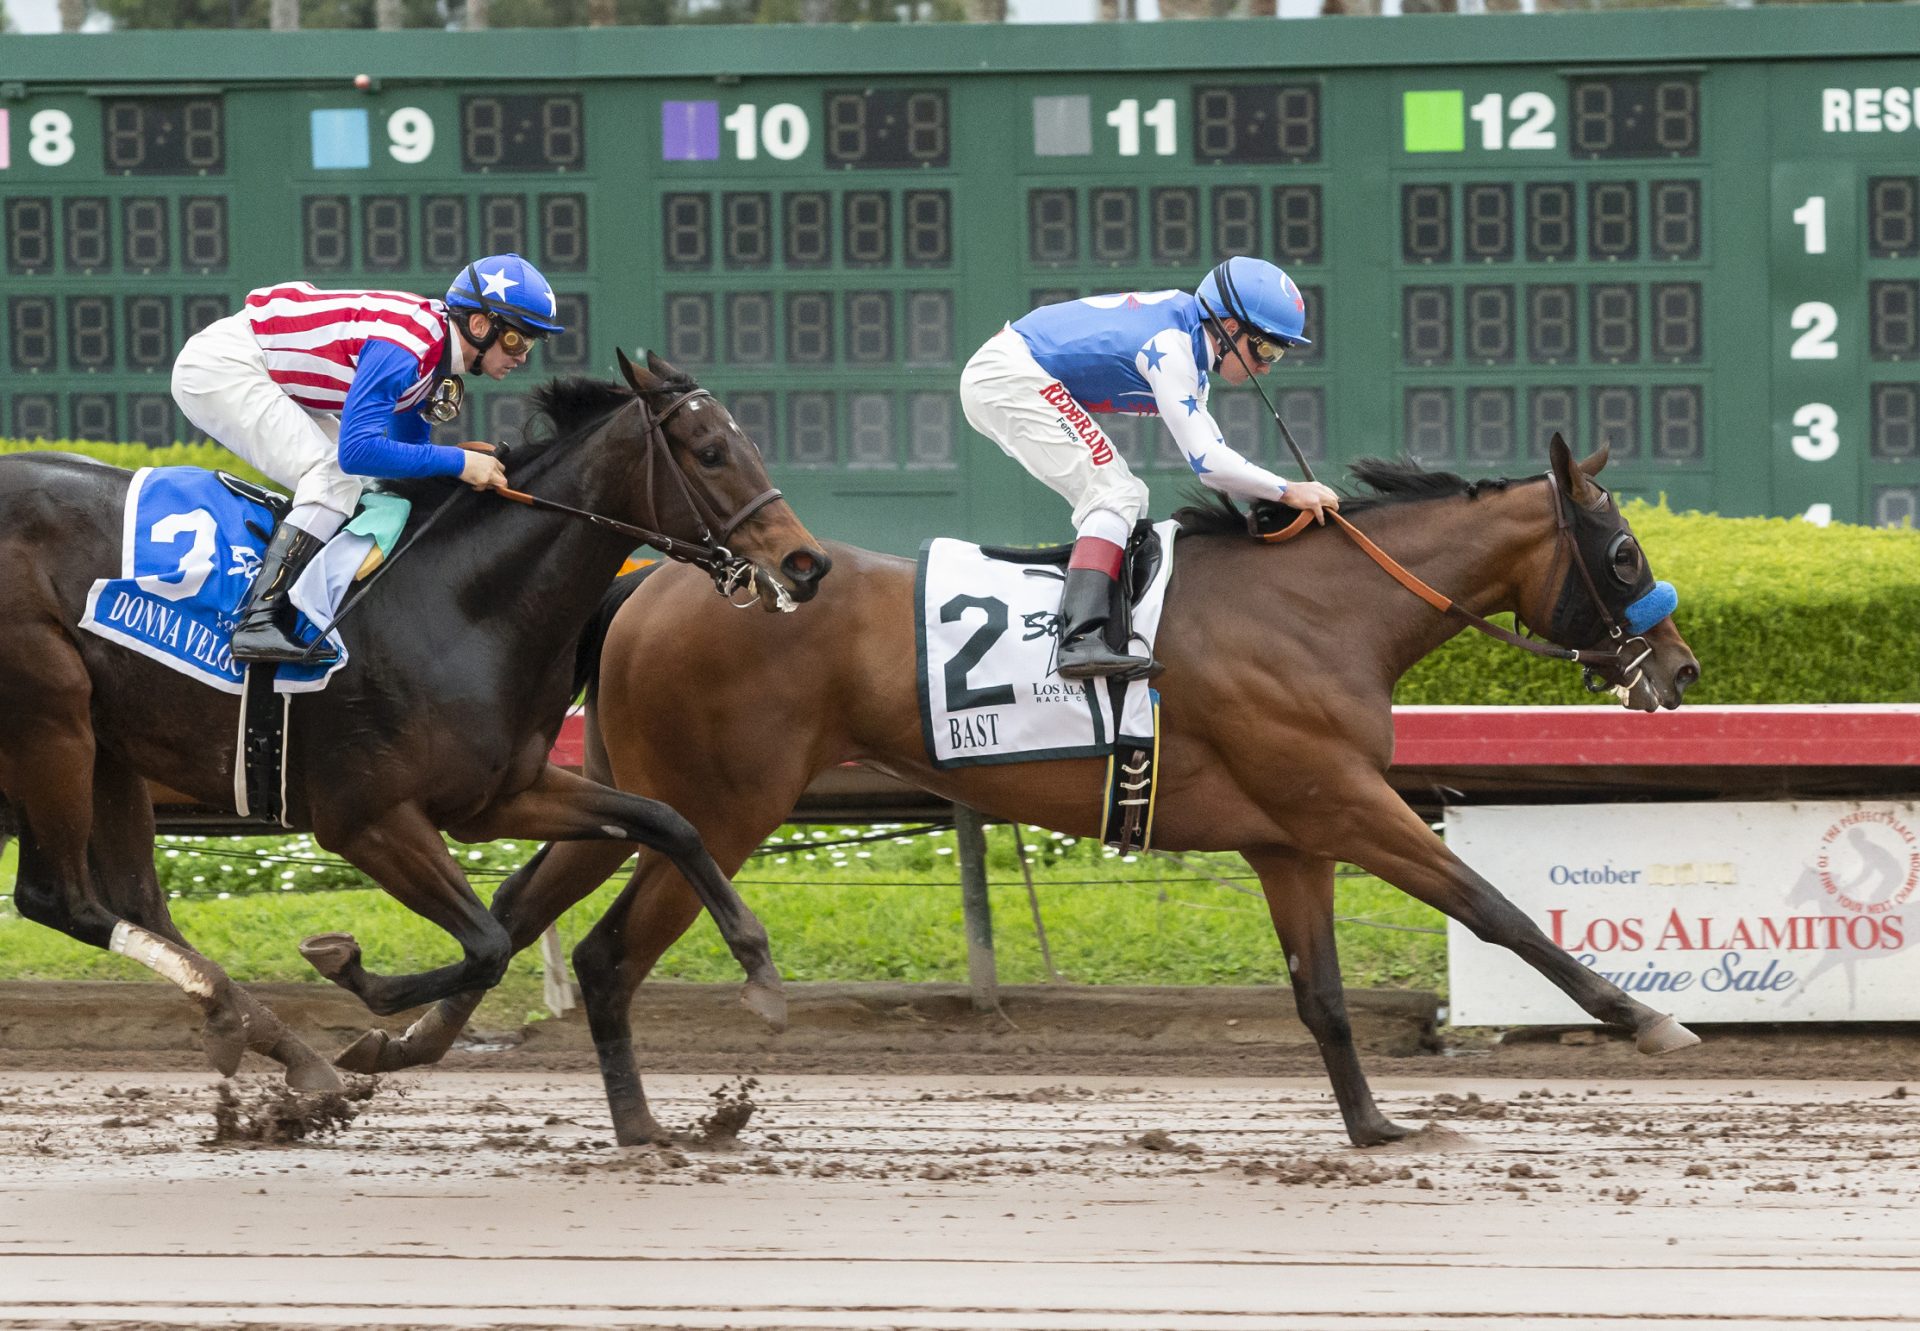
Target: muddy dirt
469 1199
1171 1162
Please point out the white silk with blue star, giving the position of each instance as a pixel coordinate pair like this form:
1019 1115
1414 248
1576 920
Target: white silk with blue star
1142 353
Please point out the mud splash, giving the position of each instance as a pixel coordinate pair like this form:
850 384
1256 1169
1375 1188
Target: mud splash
719 1128
269 1114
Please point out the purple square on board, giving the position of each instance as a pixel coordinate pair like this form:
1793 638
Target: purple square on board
689 131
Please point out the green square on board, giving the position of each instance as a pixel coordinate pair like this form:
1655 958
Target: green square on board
1436 122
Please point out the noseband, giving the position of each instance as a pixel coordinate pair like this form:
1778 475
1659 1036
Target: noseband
731 573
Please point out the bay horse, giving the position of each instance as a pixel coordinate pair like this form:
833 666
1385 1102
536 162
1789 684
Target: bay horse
1276 734
461 670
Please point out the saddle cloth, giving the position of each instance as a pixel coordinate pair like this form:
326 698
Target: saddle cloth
189 552
986 641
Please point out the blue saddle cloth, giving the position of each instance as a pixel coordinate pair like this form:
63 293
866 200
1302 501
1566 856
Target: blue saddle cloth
189 553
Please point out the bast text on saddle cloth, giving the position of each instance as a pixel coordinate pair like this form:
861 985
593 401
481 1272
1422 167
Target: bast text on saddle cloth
189 551
985 645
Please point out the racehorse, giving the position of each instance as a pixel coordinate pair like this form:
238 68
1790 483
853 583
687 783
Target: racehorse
1276 734
461 671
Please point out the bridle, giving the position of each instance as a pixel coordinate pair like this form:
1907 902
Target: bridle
1623 657
731 573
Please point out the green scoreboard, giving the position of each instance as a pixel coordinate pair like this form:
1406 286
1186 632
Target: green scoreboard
1691 235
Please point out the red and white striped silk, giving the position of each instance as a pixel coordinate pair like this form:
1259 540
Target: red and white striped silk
312 338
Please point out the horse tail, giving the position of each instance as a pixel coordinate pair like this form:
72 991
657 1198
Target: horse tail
586 656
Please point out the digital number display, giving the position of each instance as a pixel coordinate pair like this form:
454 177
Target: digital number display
887 127
868 327
1487 223
866 229
870 436
810 431
1490 325
1634 115
1893 217
1493 429
150 419
326 232
1552 409
30 333
1550 222
1613 322
1893 320
806 222
746 230
145 235
91 416
1427 325
503 224
690 328
522 132
149 341
1615 412
1679 423
163 136
927 217
1613 221
1427 423
930 431
1551 321
1171 230
1426 223
563 233
1256 123
89 234
570 350
90 344
386 243
1896 422
1677 326
35 416
443 232
29 235
809 328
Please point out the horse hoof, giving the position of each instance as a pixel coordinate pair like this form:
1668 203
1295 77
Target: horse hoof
768 1002
1664 1036
364 1055
331 954
312 1076
224 1040
1379 1133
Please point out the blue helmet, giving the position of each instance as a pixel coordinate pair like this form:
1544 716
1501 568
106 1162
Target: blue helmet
507 287
1260 296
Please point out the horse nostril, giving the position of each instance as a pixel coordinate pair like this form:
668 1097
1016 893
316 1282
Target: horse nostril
1686 676
806 566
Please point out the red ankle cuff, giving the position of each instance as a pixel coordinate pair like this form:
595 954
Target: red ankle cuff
1092 552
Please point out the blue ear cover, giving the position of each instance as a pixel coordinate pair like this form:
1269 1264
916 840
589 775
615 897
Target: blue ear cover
1653 607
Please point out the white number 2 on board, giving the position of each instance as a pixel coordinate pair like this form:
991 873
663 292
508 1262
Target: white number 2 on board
1534 112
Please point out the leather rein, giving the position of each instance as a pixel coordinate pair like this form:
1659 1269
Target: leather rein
1596 660
730 572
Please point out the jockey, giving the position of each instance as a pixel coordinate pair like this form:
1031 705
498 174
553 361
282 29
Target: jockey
319 389
1031 387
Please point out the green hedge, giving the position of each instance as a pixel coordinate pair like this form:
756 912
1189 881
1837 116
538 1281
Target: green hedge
139 455
1778 610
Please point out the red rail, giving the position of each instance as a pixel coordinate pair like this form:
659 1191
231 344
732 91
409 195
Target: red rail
1835 735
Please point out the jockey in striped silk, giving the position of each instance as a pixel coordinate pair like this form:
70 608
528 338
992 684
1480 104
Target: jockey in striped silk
319 390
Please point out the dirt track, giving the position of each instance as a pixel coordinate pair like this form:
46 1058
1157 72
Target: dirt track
470 1198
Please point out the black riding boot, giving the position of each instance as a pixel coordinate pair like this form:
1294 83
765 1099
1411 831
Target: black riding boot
1092 619
265 629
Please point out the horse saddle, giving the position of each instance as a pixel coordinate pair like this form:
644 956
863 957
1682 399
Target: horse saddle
1143 557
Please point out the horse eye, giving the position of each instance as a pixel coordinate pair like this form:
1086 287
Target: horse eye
712 455
1626 560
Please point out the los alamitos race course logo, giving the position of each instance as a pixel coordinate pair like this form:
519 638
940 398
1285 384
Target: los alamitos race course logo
1869 862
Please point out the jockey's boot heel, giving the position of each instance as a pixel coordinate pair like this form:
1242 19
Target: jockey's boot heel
265 629
1086 609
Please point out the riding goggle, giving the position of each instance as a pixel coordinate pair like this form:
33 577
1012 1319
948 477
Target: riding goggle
1265 350
516 341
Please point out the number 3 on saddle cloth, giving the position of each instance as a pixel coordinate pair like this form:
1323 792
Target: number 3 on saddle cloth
987 623
190 549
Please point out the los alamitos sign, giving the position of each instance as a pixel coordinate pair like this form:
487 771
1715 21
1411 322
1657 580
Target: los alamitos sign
1714 912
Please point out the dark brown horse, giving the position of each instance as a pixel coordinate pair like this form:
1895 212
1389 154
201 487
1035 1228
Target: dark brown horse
462 667
1277 732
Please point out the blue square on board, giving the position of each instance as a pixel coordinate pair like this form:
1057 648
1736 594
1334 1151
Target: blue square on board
689 131
340 139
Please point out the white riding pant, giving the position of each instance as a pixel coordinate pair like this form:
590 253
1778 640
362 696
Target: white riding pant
1025 410
220 381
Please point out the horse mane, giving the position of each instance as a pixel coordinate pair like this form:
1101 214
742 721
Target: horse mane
1391 482
563 409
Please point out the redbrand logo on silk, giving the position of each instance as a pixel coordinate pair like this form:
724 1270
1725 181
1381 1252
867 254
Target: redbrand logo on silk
1090 434
1869 862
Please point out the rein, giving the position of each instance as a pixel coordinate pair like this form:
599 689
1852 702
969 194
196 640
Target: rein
730 572
1594 659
